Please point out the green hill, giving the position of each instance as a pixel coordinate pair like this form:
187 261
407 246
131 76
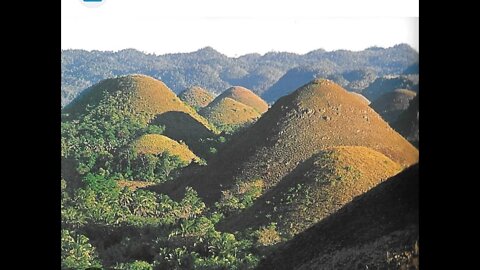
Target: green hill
145 100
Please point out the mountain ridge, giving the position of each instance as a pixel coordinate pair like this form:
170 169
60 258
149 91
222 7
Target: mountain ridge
212 70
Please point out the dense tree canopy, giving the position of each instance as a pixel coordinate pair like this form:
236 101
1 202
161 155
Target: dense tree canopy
214 71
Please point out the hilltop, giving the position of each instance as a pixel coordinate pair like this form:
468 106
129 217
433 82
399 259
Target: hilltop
377 230
390 105
226 112
146 100
388 84
352 80
136 94
157 144
293 79
245 96
317 116
196 97
315 189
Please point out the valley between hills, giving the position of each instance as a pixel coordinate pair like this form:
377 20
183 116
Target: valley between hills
275 161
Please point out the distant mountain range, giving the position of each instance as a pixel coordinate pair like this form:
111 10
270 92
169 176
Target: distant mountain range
216 72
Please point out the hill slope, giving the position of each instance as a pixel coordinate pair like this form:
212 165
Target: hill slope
361 97
245 96
196 97
146 99
315 189
353 80
317 116
388 84
407 123
156 144
229 112
377 230
390 105
293 79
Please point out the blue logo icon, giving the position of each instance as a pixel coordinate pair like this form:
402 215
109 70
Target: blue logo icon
92 3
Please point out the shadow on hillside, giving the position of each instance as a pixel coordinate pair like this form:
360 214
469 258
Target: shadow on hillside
70 174
181 126
260 207
382 220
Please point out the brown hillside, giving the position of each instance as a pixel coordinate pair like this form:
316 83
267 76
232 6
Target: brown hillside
317 116
315 189
245 96
377 230
361 98
196 97
148 99
390 105
139 94
229 112
156 144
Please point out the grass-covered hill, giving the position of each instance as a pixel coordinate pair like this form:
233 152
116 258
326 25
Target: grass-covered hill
407 122
293 79
388 84
227 112
390 105
352 80
361 98
245 96
133 199
138 95
145 100
157 144
377 230
317 116
315 189
196 96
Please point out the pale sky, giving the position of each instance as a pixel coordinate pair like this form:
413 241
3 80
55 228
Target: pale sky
238 27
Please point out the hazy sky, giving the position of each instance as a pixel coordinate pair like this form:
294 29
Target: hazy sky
239 27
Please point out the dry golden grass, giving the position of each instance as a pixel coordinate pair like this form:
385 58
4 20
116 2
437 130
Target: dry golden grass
227 111
138 94
316 189
361 97
378 229
196 97
245 96
156 144
317 116
390 105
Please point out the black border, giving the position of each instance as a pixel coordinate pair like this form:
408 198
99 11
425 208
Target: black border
35 172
